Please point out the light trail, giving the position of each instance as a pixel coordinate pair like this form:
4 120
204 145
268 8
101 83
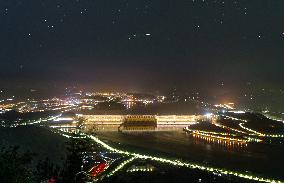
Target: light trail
229 128
261 134
216 137
209 132
236 119
220 137
205 133
31 122
121 166
274 118
251 139
254 131
141 170
185 164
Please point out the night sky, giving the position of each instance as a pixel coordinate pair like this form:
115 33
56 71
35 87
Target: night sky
141 44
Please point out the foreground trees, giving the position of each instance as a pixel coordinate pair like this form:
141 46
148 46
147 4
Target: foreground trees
76 149
15 166
18 167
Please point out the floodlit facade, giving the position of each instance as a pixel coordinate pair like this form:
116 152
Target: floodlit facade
175 120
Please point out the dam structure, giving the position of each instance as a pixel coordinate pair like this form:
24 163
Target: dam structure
138 122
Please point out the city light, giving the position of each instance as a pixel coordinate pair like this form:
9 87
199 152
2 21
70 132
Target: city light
215 137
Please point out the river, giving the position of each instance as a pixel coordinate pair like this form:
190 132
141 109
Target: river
259 159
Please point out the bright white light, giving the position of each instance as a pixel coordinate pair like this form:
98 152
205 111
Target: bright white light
63 119
238 112
208 115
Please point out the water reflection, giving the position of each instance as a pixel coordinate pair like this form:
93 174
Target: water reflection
217 141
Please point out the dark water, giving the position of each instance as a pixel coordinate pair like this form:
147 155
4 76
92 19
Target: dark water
259 159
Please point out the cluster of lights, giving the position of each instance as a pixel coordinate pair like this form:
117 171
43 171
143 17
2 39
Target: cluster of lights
141 170
219 137
5 108
144 101
128 100
54 104
72 103
225 106
209 132
94 171
219 140
251 139
30 122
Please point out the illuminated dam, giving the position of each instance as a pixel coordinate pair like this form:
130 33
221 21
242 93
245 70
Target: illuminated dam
139 122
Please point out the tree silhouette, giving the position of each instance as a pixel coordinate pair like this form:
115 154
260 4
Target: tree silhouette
15 166
76 149
46 170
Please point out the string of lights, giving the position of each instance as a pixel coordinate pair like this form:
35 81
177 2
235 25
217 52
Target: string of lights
185 164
